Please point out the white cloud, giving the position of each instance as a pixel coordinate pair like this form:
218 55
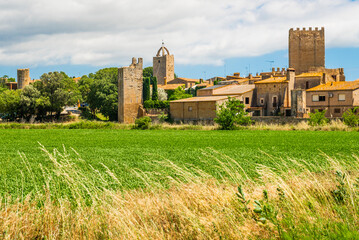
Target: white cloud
110 32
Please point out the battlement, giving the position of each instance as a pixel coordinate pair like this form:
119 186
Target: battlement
310 29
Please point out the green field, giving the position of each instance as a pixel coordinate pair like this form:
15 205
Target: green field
124 150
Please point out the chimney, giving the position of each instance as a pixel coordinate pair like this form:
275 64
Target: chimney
273 70
291 80
200 80
250 76
237 74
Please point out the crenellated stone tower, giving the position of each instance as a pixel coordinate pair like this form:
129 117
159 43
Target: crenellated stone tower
163 65
306 49
130 92
23 78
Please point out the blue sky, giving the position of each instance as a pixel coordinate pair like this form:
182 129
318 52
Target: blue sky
208 37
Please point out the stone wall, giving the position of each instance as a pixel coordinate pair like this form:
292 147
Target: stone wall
23 78
130 92
306 49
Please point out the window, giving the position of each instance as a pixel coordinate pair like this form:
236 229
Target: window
341 97
274 102
306 85
190 109
246 100
159 61
321 98
336 110
261 101
315 98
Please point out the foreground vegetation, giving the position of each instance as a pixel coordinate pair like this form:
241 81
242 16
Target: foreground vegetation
296 200
124 150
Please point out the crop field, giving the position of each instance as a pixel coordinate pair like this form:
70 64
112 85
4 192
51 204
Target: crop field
178 184
127 152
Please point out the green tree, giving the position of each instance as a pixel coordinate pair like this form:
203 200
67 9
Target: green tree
148 72
103 98
146 89
10 104
154 89
84 85
60 90
178 93
29 102
103 93
318 118
231 114
351 117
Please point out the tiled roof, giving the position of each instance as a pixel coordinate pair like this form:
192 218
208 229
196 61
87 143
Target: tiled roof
336 86
314 74
184 79
202 99
234 90
273 80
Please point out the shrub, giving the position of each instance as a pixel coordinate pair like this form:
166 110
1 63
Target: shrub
317 118
351 117
154 89
146 89
156 104
143 123
232 113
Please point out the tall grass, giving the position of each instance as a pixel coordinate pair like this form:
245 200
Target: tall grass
294 200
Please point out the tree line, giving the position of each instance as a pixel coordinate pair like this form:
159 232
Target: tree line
97 93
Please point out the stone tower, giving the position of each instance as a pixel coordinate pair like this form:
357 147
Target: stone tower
163 65
130 92
306 49
23 78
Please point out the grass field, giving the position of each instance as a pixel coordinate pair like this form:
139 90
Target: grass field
173 184
121 151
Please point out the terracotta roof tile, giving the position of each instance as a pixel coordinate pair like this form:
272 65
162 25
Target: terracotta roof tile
273 80
314 74
336 86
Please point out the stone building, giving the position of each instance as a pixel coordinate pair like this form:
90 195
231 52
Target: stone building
204 106
163 66
306 49
130 86
334 97
23 78
273 95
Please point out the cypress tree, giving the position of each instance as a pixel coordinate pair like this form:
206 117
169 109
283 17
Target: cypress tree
146 89
154 89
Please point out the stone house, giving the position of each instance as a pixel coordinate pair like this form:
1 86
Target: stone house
204 106
196 108
334 97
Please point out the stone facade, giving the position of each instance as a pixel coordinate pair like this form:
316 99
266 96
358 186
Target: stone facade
163 66
130 86
23 78
306 49
335 102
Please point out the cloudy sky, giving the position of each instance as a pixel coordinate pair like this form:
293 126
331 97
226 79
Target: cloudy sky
207 37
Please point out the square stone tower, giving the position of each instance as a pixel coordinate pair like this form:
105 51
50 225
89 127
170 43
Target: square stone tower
130 92
163 66
306 49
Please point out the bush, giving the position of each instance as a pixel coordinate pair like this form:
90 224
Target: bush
143 123
351 117
231 114
156 104
318 118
